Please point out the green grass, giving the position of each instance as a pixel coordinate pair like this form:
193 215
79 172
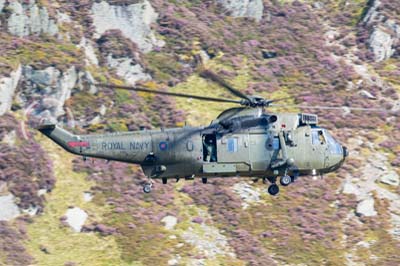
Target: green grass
43 54
63 244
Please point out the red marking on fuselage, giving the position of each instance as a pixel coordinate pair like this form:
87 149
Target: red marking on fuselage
74 144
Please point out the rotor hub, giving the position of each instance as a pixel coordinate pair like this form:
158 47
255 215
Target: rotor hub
256 101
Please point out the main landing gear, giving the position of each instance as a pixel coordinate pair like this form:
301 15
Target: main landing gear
285 180
273 189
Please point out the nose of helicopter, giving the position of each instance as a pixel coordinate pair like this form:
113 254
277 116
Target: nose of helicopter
338 159
345 152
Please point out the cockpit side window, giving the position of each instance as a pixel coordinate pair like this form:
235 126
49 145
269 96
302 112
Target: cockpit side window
321 137
318 137
275 143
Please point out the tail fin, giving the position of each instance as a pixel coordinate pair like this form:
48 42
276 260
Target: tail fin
59 136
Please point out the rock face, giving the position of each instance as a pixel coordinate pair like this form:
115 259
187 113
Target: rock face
7 90
28 18
373 13
55 88
87 47
381 43
385 34
127 70
244 8
134 21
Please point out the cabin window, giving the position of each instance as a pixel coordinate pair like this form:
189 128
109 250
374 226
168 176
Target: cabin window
232 145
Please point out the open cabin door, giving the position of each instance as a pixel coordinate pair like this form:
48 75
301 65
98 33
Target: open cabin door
232 155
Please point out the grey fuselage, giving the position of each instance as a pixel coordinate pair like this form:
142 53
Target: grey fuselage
258 151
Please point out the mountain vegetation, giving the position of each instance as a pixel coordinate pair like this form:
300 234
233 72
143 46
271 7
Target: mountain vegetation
331 53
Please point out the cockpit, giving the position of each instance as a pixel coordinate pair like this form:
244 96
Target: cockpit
321 136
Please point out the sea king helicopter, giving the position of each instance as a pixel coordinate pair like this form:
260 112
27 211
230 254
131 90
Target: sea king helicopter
242 141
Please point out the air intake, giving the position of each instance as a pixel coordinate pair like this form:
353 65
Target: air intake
308 119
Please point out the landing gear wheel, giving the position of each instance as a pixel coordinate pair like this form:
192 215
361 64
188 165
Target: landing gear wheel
273 189
285 180
147 188
204 180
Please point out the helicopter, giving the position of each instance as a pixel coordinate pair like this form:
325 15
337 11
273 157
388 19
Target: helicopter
244 141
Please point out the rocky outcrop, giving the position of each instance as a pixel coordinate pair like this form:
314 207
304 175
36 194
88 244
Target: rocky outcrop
169 222
385 32
244 8
7 90
9 210
134 21
29 19
381 43
128 70
373 12
390 178
247 193
76 218
376 170
366 208
90 54
51 88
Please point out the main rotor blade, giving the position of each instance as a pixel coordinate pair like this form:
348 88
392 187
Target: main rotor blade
197 97
280 99
208 74
343 108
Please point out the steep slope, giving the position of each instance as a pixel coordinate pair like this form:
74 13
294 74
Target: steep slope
332 52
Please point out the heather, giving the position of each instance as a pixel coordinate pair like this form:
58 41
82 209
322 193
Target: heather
317 53
25 168
11 244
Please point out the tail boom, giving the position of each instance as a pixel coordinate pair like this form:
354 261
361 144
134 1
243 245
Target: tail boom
131 147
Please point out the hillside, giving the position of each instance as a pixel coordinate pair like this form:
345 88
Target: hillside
56 209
